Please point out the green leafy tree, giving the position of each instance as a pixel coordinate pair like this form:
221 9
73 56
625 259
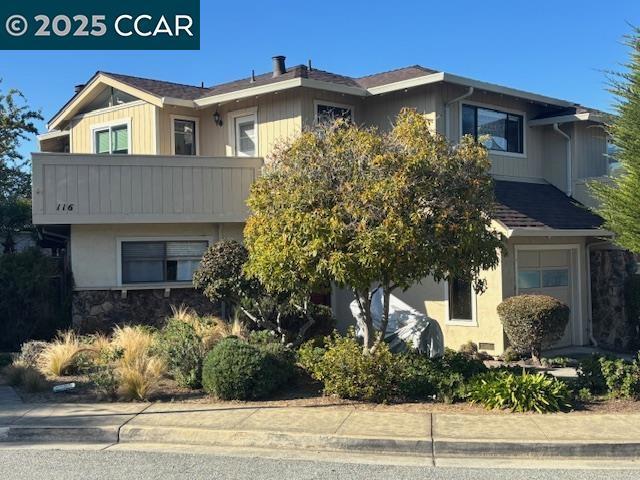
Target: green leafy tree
372 211
619 200
16 123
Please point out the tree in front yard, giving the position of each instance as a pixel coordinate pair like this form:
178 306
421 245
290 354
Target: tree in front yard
620 200
16 122
372 211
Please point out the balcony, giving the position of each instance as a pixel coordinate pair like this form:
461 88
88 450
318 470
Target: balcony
90 189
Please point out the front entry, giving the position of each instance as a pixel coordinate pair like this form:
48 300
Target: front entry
552 271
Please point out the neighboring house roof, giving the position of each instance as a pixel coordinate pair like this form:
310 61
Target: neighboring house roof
540 206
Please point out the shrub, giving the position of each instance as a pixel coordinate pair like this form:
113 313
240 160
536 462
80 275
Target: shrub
135 342
184 351
443 378
613 376
510 355
30 352
469 349
60 357
530 320
235 370
101 369
519 393
346 372
590 375
25 376
30 306
5 359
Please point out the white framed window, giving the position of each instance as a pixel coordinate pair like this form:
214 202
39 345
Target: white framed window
112 138
503 128
329 111
243 132
460 303
159 260
185 135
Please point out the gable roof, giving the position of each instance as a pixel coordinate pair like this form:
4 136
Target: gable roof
540 206
161 92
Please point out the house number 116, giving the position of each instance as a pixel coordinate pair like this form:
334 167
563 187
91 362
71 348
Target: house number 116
65 207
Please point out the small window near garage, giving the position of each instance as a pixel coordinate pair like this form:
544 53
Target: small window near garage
113 139
503 131
184 137
326 112
246 136
160 261
460 300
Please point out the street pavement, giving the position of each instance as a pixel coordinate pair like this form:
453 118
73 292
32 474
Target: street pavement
42 464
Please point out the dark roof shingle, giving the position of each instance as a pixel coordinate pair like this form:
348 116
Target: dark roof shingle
160 88
535 205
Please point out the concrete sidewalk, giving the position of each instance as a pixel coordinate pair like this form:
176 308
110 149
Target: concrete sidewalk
325 428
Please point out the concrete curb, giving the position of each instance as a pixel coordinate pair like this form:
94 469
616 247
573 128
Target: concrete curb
272 440
451 448
35 434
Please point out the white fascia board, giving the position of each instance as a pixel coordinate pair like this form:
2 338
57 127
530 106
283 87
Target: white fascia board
491 87
409 83
53 134
551 232
178 102
578 117
334 87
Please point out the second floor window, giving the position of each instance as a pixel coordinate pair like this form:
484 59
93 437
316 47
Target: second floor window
505 130
184 137
112 139
245 132
331 112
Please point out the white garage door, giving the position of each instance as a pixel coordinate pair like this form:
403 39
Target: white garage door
549 272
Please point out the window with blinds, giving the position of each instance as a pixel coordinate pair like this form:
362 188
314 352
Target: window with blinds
161 261
114 139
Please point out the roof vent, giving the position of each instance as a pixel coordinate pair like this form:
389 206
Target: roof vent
78 88
278 65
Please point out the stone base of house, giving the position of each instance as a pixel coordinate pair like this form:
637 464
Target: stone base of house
612 327
100 310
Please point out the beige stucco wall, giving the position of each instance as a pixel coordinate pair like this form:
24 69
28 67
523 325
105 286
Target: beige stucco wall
140 114
93 249
428 297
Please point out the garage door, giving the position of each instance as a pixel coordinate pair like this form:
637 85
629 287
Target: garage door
548 272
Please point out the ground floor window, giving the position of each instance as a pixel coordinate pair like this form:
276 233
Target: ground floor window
460 304
161 261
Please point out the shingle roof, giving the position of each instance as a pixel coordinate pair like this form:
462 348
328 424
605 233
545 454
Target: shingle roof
160 88
535 205
393 76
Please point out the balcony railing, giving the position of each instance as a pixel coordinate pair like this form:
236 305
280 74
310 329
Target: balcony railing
80 188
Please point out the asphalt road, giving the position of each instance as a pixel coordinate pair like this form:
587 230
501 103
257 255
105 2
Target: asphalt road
124 465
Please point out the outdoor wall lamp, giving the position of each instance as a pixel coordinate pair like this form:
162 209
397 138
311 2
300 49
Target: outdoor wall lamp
216 119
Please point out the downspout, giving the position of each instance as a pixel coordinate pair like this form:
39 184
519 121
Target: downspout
447 112
592 339
556 128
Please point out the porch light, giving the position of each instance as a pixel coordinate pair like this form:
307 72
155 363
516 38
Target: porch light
216 119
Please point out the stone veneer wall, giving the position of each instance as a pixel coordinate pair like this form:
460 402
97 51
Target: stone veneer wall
610 270
101 310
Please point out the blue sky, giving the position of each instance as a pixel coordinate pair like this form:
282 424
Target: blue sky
556 48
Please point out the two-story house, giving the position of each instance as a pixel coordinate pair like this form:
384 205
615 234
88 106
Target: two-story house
141 175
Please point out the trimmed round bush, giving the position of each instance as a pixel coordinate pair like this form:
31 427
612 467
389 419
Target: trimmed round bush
531 320
235 370
504 389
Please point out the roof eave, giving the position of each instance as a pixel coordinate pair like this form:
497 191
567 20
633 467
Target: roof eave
577 117
553 232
